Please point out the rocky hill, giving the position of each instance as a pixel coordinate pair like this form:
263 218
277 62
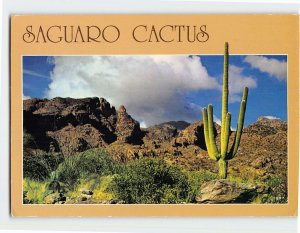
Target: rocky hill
74 125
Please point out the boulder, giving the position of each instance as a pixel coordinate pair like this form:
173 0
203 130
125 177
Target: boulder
86 191
224 191
85 197
54 198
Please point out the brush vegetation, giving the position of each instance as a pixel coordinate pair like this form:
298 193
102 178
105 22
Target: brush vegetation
141 181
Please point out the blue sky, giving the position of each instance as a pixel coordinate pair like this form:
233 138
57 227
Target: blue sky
155 89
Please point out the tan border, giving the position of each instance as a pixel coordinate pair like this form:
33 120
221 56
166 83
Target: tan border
247 34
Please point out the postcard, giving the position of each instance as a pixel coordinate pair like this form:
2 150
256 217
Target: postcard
154 115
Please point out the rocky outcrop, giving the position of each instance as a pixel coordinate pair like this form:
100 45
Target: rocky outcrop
263 149
265 127
72 139
73 125
127 129
194 135
224 191
165 131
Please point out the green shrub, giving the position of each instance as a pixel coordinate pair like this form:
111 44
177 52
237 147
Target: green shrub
67 172
102 190
99 186
85 164
150 181
38 166
278 192
97 161
35 191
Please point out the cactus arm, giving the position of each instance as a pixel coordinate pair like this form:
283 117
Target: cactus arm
212 142
206 134
240 125
225 93
245 94
226 137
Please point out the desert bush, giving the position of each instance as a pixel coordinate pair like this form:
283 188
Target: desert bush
277 192
150 180
102 190
35 191
99 186
97 161
67 172
81 166
278 186
39 165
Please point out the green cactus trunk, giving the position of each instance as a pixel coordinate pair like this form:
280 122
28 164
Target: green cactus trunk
222 168
223 155
225 93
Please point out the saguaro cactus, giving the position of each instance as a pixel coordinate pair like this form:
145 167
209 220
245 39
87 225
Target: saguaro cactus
224 154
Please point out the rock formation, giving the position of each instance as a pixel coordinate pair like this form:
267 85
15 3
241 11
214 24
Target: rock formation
127 129
73 125
165 131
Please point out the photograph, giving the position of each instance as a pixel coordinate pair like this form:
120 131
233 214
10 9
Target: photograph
200 129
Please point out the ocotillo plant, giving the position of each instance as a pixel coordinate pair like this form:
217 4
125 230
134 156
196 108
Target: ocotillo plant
224 154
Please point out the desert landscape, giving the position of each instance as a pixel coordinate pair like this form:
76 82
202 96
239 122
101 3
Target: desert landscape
79 151
85 151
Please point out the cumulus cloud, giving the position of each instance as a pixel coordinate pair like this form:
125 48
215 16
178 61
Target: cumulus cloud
237 83
153 88
275 68
272 117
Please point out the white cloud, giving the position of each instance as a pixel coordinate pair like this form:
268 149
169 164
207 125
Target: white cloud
25 97
34 74
237 83
274 67
271 117
153 88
